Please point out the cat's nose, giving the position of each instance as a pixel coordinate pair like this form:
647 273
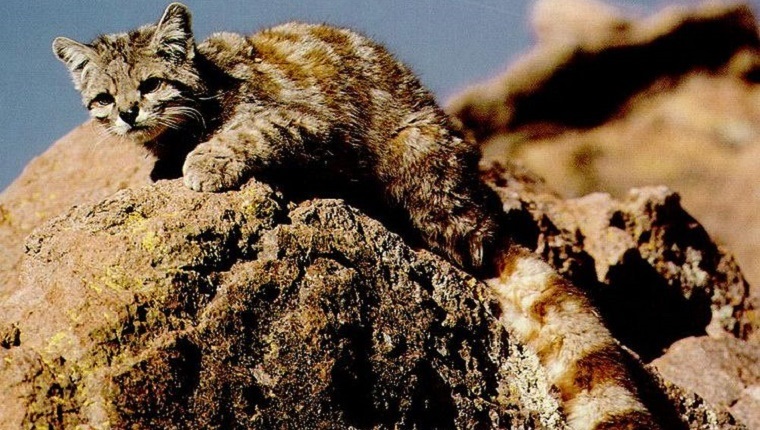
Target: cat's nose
129 115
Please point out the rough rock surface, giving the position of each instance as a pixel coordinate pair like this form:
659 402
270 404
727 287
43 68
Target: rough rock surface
649 266
157 307
607 102
723 371
83 167
157 303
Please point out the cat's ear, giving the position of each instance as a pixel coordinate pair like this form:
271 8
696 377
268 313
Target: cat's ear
174 38
75 55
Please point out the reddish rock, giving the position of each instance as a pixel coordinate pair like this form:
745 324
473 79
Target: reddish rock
650 267
606 102
82 167
724 372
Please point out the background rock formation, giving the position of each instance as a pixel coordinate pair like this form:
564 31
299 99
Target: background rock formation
604 102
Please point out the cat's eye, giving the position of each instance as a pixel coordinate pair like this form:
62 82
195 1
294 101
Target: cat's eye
101 100
149 85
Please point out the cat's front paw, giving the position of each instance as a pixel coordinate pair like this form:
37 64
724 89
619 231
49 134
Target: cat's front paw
213 168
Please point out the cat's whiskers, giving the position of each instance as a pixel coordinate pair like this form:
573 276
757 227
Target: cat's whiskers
197 98
218 96
188 113
105 133
170 123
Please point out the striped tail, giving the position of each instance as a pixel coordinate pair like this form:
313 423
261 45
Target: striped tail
581 358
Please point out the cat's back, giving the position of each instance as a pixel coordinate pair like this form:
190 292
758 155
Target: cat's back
335 64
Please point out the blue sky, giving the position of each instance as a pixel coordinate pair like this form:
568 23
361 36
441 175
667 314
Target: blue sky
450 43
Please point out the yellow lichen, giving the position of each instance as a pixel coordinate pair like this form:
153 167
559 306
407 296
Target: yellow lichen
74 316
150 241
136 222
255 205
59 343
93 286
117 279
5 216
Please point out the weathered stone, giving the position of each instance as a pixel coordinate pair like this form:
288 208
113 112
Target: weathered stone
723 371
161 307
652 269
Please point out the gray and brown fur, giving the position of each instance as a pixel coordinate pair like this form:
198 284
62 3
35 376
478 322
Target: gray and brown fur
303 100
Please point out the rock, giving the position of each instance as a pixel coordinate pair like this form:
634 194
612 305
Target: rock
747 406
590 60
595 108
723 371
587 23
606 102
77 169
650 267
159 307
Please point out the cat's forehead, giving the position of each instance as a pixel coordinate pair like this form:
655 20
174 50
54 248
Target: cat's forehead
126 55
126 47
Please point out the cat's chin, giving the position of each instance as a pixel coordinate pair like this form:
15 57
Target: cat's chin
140 135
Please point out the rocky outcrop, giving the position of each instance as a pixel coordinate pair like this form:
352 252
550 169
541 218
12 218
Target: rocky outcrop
605 102
649 266
160 307
590 60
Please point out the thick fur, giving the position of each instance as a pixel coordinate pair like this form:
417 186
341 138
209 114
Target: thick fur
582 359
323 102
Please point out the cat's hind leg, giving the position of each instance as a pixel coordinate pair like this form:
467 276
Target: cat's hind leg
432 174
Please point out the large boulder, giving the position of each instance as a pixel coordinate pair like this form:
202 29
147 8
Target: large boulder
159 307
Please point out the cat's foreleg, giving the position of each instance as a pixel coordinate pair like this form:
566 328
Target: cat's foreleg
250 142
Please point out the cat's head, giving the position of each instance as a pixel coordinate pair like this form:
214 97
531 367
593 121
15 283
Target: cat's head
142 83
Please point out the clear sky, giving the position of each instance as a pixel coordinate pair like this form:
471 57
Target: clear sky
450 43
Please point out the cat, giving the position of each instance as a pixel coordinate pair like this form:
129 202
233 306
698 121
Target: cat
308 103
